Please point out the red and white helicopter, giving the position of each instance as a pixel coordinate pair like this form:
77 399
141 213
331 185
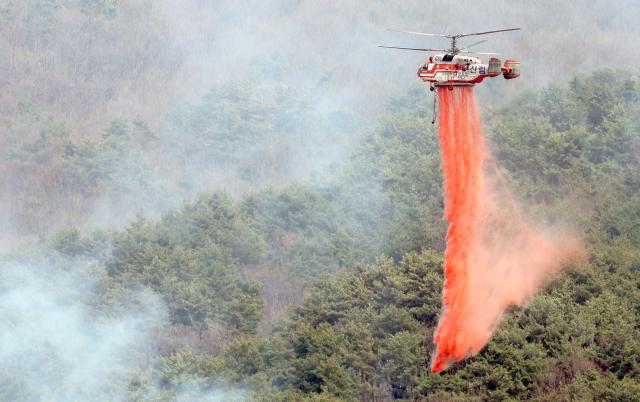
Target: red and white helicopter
455 67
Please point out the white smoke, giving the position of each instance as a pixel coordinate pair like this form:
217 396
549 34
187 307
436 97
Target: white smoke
56 346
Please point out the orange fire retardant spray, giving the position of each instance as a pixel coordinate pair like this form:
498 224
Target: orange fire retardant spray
493 259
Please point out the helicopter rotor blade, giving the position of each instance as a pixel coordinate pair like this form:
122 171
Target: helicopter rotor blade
473 44
485 53
413 48
419 33
487 32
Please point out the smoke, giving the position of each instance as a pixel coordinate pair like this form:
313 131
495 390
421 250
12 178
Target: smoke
193 391
331 45
89 63
149 59
54 347
57 345
493 258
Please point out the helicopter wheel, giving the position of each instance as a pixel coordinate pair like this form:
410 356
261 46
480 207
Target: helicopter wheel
431 88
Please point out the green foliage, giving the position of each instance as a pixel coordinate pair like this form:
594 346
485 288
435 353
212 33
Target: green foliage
227 269
580 141
573 152
235 116
192 257
396 173
71 243
358 335
107 8
364 328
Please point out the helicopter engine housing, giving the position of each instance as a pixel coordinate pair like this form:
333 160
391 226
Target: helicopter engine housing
494 66
511 69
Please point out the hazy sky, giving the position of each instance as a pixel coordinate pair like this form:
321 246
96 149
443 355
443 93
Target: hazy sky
334 41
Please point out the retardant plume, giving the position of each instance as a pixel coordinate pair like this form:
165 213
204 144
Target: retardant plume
493 258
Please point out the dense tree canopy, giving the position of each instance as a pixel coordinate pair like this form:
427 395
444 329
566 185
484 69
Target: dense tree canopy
329 289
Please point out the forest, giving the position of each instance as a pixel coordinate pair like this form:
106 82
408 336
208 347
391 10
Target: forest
224 252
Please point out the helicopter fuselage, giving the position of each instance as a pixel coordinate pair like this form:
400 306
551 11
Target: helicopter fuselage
460 70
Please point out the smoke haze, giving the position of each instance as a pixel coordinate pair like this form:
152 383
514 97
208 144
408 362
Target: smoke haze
86 65
113 109
55 347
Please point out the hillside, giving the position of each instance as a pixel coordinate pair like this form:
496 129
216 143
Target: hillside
207 200
330 289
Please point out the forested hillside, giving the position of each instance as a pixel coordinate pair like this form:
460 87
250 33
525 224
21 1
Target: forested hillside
330 289
99 121
233 139
207 201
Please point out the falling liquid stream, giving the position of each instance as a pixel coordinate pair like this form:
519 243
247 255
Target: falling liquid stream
493 258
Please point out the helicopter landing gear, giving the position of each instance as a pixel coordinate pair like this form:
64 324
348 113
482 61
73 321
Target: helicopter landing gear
432 88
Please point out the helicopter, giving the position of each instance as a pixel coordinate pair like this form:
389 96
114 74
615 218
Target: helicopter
456 66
